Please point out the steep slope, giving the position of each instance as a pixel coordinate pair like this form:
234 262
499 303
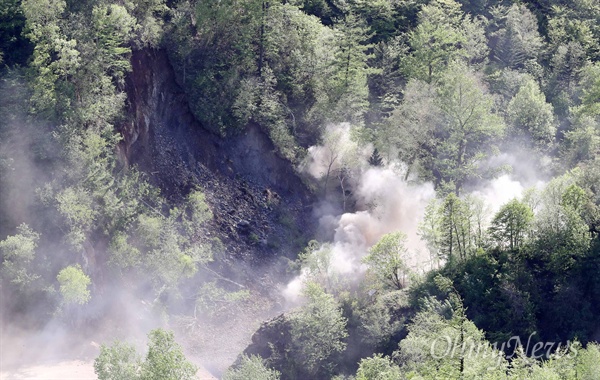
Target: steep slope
256 197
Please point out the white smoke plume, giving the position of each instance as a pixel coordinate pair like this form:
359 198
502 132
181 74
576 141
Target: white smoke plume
385 202
500 191
503 189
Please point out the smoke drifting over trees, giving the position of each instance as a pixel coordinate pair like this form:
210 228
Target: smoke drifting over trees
364 177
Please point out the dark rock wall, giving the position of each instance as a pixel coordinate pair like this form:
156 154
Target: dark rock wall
261 207
164 139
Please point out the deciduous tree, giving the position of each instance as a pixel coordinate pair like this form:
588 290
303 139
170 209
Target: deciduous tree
442 342
512 224
251 367
18 252
378 367
387 261
318 330
165 359
443 35
409 132
74 285
118 362
470 127
531 116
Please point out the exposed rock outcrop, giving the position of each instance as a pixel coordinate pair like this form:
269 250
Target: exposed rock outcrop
258 200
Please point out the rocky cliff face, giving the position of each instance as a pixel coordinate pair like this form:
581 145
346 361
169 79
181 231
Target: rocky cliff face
256 197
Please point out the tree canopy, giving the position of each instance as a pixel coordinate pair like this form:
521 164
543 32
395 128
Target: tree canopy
319 97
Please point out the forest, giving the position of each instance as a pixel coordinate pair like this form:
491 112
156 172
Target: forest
300 189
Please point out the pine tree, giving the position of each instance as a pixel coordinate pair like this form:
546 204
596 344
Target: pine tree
348 85
375 159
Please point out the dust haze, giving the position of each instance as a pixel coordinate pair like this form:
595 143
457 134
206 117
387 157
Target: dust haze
380 200
39 337
385 202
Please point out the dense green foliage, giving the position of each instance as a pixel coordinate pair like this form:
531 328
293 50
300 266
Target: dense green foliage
74 285
387 262
450 88
251 367
95 218
164 360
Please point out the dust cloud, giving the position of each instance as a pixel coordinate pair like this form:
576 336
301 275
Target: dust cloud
386 202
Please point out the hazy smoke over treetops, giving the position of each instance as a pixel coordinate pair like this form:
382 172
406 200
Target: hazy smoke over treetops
384 200
385 203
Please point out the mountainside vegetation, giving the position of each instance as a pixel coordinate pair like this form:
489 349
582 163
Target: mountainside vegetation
203 162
